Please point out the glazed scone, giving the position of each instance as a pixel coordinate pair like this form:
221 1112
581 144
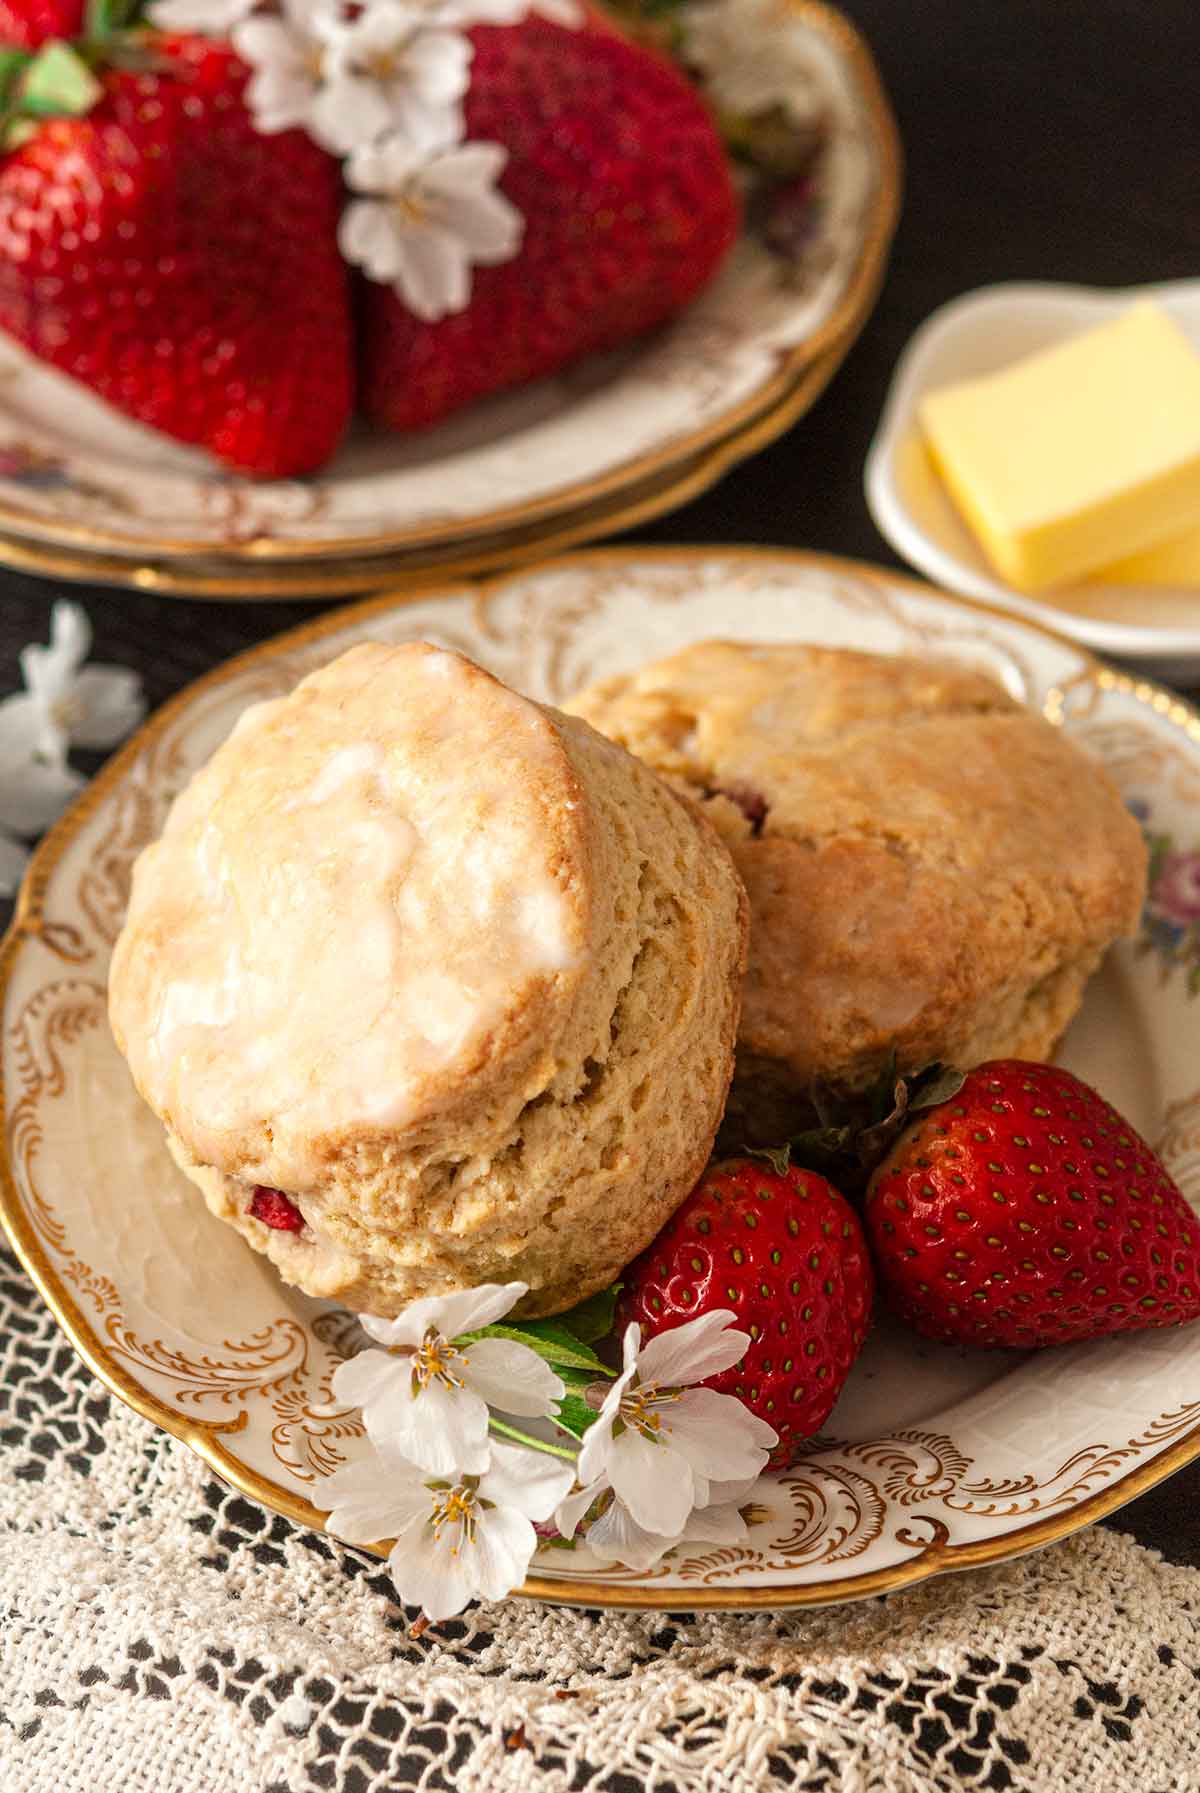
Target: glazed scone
450 970
932 868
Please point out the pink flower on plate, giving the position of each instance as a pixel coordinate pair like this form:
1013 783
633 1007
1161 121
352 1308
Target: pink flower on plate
1176 893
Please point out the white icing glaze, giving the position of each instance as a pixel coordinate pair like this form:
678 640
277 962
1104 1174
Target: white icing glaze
344 903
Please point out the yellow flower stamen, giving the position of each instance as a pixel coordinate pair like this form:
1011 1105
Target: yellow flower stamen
640 1408
436 1359
457 1506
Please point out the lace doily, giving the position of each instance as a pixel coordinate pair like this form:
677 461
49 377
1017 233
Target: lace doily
164 1635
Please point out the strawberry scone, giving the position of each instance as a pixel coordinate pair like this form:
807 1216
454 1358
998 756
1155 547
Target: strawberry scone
432 987
933 870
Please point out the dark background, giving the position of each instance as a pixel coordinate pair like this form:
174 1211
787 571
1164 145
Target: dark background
1046 139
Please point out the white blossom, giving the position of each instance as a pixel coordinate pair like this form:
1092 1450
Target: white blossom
426 1397
660 1443
434 216
460 15
288 52
747 52
65 703
386 75
505 12
614 1536
470 1537
211 18
560 12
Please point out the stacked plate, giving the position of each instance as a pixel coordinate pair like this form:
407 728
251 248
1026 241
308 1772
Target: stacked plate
85 494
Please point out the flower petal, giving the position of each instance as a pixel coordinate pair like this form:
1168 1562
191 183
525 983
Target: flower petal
50 670
437 64
467 168
571 1509
374 1499
365 1377
688 1353
265 42
598 1439
380 25
735 1492
424 126
717 1435
34 796
444 1430
367 240
27 728
489 225
655 1483
277 100
529 1482
512 1377
434 1573
435 277
616 1537
383 167
109 703
504 1545
213 18
631 1344
719 1524
482 12
464 1311
348 112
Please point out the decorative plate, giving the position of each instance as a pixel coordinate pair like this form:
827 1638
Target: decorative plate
322 577
935 1458
73 472
1158 627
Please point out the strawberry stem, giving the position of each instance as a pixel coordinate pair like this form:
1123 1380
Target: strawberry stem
855 1130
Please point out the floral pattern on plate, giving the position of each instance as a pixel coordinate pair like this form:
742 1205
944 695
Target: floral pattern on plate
1171 921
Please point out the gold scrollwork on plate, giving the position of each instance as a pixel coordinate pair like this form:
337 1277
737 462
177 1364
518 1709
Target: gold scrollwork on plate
55 1017
854 1516
271 1360
309 1431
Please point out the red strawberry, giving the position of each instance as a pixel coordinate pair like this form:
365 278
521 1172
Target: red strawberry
628 205
787 1254
273 1208
1025 1211
28 24
182 265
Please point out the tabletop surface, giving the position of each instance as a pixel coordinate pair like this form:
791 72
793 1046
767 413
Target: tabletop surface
1045 139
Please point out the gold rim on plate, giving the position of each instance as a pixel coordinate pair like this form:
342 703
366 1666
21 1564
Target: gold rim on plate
346 578
30 539
938 1555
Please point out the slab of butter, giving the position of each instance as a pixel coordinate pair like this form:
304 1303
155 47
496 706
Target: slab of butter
1081 455
1176 562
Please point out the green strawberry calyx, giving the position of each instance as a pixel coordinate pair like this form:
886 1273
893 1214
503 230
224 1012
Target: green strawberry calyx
856 1130
60 79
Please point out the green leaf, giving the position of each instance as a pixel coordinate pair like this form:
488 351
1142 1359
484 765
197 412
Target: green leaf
593 1318
574 1415
575 1377
778 1157
551 1340
12 62
58 83
105 18
937 1083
